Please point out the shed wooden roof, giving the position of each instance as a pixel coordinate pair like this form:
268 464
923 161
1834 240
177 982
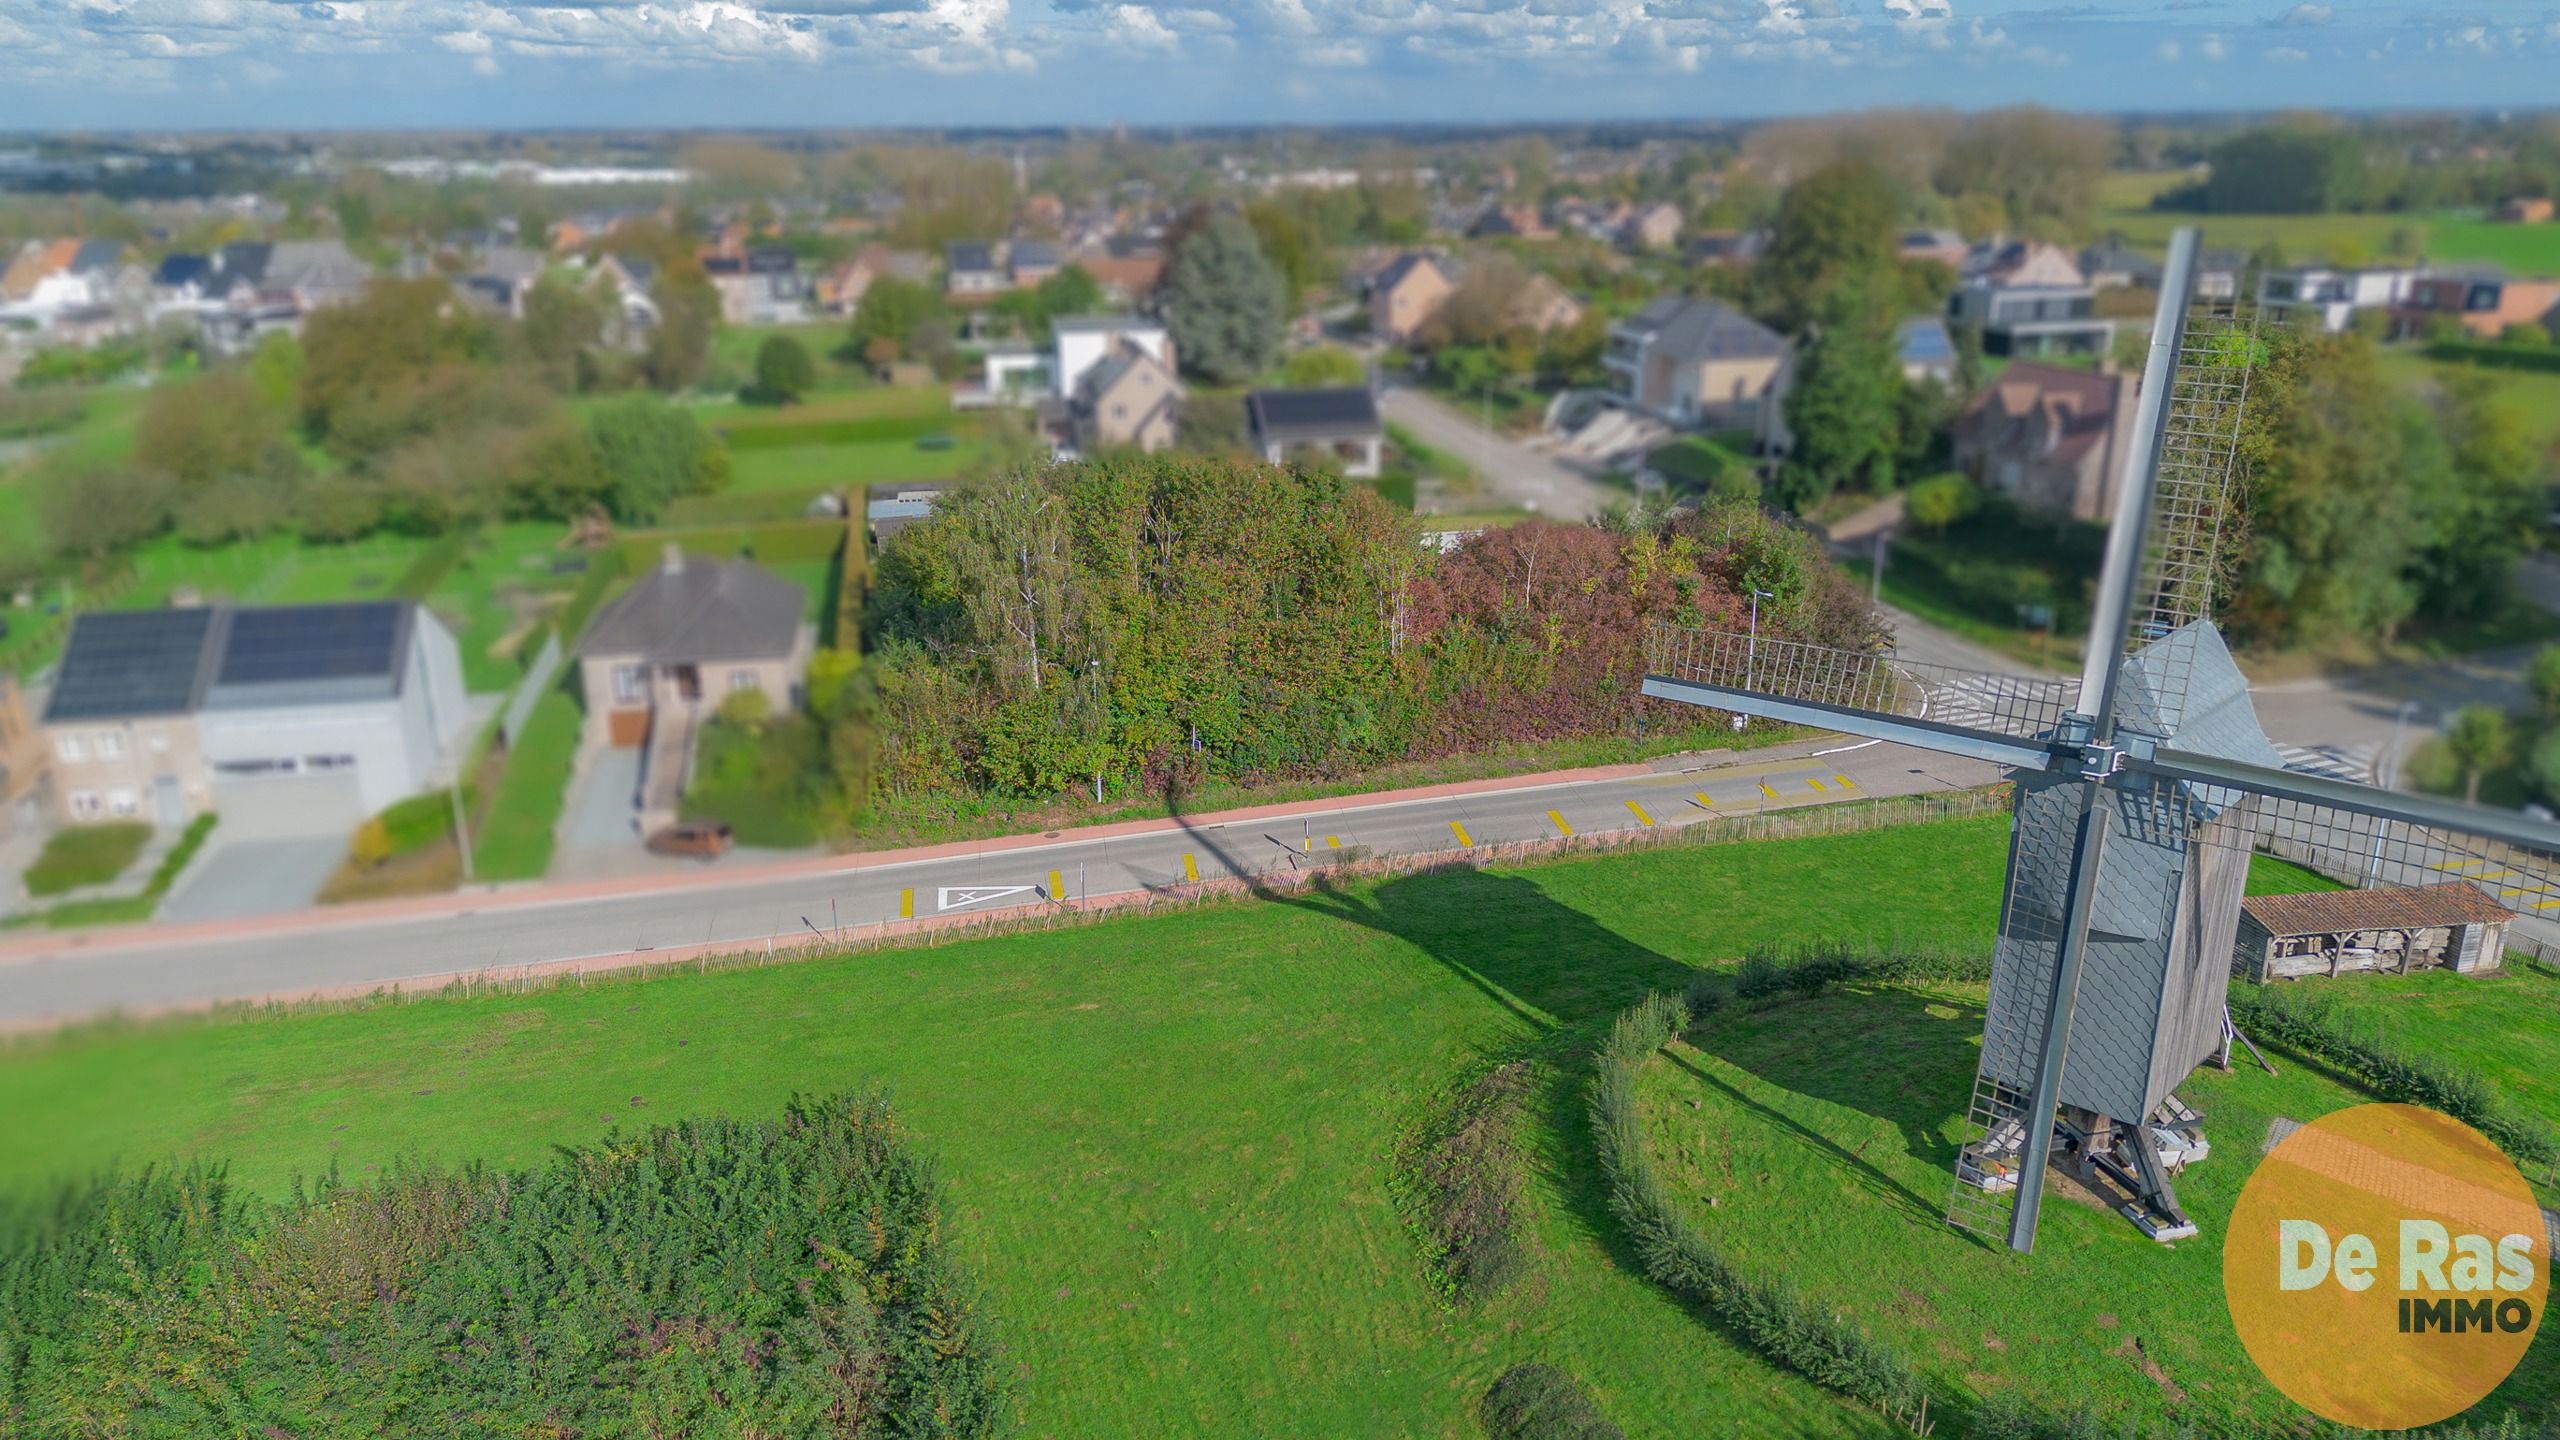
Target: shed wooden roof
2328 912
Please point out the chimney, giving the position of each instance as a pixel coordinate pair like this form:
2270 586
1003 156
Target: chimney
671 559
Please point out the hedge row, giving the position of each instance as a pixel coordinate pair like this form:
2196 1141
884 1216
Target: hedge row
777 542
1770 1314
1809 967
2504 357
2313 1024
751 435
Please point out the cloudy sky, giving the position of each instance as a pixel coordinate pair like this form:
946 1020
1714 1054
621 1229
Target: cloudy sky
233 63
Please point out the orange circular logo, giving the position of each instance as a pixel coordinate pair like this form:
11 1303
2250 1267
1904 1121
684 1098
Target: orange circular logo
2386 1266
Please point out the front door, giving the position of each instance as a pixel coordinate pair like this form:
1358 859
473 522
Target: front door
168 802
688 682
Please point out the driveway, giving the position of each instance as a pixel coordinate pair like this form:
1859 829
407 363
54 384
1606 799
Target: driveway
256 877
1513 473
600 828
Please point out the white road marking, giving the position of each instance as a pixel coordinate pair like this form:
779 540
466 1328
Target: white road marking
960 897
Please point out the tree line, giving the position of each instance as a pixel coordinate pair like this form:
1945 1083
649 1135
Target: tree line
1157 622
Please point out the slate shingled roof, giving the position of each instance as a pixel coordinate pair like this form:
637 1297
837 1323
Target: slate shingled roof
1339 413
1705 330
2328 912
970 255
705 611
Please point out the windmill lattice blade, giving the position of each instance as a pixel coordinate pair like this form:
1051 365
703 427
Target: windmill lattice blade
2184 569
2017 706
2362 837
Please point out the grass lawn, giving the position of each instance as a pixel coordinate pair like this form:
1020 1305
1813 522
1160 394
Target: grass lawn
1973 579
515 836
79 855
494 597
1166 1138
2534 393
1815 1138
274 570
810 469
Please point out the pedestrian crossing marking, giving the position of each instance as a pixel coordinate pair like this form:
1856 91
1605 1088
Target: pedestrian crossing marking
1190 867
1844 782
961 897
1562 828
1330 843
1816 783
1765 790
1703 802
906 904
1057 886
1641 817
1461 832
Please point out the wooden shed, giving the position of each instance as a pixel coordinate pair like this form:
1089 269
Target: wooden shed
2394 928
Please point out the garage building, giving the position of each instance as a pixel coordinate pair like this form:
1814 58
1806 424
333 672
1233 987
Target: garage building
287 719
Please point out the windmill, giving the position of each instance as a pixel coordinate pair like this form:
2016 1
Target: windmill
2142 792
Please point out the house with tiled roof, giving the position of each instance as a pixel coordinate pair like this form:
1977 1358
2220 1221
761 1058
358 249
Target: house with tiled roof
2049 437
1699 362
1407 293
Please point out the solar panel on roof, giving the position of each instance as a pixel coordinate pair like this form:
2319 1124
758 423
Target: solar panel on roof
311 642
120 663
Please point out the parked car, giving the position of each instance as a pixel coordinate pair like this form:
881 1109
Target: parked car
707 839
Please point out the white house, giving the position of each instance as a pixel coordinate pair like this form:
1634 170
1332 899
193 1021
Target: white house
286 719
2331 295
1080 342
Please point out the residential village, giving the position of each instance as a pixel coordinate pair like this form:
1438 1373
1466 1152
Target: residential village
271 713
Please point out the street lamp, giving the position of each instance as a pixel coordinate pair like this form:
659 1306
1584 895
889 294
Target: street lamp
1751 650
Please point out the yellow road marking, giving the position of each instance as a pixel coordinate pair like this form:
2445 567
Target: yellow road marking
1816 784
2519 889
906 904
1332 844
1844 782
1641 817
1703 802
1461 832
1057 887
2492 875
2458 866
1561 827
1765 790
2546 904
1190 867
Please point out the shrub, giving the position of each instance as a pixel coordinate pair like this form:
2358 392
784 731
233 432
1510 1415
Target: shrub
1465 1187
1540 1402
789 1276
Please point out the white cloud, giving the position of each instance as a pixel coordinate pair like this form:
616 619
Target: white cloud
1135 27
485 65
2212 48
2306 14
465 42
2287 55
2169 50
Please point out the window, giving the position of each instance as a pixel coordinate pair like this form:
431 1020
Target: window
328 762
110 744
630 684
73 748
84 805
124 802
741 681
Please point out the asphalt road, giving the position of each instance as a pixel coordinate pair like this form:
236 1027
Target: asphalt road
1513 473
59 978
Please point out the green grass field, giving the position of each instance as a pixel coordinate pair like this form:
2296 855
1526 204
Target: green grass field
1167 1137
2124 201
1823 1132
2535 394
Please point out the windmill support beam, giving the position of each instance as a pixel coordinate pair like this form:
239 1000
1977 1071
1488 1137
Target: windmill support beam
1866 724
2073 944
